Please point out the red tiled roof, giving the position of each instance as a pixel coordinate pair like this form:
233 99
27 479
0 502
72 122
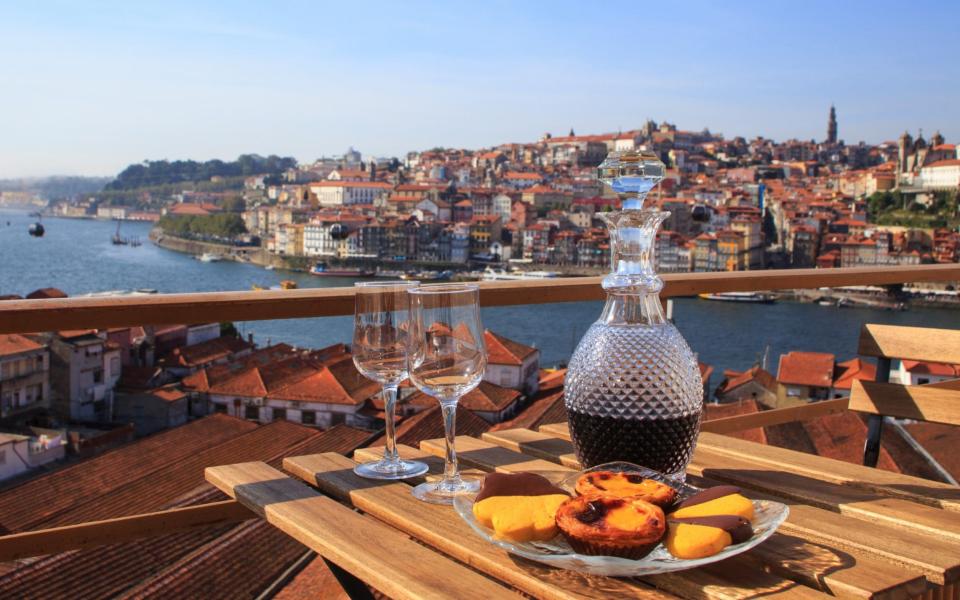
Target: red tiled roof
949 162
931 368
46 293
208 351
941 441
733 409
503 351
814 369
546 406
12 343
853 370
488 397
40 500
428 425
353 184
316 580
733 379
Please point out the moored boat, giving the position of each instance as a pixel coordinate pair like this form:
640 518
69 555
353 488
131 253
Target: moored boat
754 297
323 270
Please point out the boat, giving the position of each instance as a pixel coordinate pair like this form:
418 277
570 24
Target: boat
322 270
209 257
754 297
389 274
269 268
491 274
36 230
425 276
117 240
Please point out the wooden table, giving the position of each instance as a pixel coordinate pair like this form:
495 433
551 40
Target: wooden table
853 532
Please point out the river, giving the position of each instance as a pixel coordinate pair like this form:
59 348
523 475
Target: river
77 257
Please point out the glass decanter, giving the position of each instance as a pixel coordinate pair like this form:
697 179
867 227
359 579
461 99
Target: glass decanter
633 387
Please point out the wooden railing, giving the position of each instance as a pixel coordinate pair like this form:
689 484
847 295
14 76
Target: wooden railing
24 316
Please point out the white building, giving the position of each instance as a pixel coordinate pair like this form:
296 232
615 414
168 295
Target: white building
941 175
24 375
347 193
913 372
500 205
511 364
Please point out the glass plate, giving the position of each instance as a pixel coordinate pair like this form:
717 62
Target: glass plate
557 553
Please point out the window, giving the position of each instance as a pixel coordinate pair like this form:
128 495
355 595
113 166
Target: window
922 380
505 378
98 375
337 418
279 413
252 413
3 457
220 408
308 417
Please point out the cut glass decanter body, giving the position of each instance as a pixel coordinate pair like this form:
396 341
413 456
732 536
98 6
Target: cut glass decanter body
633 390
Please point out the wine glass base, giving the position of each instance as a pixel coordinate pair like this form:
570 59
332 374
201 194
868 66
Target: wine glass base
381 469
439 492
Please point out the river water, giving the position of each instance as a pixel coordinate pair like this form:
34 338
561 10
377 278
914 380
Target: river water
77 257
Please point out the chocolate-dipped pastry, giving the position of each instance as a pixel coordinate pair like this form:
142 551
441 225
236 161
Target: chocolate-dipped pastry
738 528
517 484
719 500
709 494
699 537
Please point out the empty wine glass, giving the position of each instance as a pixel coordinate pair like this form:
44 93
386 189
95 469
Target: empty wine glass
447 360
381 344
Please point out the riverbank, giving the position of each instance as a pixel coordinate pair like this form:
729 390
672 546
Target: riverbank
243 254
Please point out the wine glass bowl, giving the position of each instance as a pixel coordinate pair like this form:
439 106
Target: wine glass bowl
381 347
447 360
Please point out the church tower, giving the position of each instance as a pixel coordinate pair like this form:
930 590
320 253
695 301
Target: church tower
832 126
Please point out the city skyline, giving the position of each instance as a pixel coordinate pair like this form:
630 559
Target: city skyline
97 90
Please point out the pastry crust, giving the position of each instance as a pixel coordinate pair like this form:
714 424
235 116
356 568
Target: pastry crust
606 525
625 485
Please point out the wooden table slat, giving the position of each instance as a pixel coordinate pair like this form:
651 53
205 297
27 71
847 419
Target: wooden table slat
735 577
441 528
376 553
936 557
859 483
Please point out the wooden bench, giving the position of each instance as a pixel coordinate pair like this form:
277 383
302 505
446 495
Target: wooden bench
936 402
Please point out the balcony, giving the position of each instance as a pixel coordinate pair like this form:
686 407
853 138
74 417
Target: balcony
833 547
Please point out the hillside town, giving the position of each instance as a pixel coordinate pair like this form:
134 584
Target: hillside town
735 204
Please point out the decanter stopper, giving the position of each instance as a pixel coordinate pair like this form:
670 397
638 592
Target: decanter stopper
631 175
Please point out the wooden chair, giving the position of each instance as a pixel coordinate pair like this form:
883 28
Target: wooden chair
933 402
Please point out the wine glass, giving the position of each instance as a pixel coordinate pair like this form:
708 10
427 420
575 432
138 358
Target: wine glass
381 344
447 360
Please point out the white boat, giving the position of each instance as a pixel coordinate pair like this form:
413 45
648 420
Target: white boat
755 297
491 274
209 257
269 267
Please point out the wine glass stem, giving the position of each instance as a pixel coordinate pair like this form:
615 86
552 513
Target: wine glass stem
389 409
451 473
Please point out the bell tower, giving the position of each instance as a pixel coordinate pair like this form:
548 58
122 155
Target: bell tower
832 126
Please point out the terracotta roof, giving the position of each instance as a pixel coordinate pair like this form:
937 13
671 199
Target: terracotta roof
42 499
842 436
853 370
316 580
941 441
917 367
545 407
354 184
503 351
733 379
208 351
428 425
46 293
814 369
489 397
733 409
229 561
950 162
12 343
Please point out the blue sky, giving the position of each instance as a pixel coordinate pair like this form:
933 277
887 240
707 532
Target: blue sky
89 87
